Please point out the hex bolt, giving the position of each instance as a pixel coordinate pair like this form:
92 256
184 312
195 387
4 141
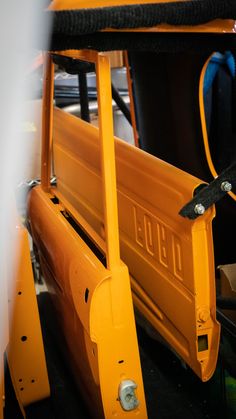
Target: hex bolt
199 209
127 396
226 186
204 315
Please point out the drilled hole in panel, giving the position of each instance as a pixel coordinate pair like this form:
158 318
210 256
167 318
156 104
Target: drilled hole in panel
19 293
20 380
55 200
32 381
23 338
86 295
121 361
22 388
202 343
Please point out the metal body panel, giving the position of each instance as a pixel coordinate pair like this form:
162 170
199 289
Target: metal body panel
94 303
25 351
170 258
96 316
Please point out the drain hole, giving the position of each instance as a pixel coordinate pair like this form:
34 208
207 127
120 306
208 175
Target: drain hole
55 200
86 295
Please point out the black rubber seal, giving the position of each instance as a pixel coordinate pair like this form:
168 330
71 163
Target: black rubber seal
88 21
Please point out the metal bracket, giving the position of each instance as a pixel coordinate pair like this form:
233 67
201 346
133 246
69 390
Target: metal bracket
127 396
211 193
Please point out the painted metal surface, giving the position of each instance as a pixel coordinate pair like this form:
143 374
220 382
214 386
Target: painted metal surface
47 110
25 351
94 301
170 259
96 315
84 4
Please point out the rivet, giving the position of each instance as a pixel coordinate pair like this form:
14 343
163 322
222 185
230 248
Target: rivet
226 186
199 209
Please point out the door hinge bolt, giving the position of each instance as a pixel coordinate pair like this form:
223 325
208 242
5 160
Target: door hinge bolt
127 395
226 186
199 209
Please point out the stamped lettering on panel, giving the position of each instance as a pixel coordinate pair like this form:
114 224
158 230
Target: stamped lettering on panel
148 223
159 241
139 226
178 259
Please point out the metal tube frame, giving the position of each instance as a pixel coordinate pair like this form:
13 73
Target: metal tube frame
106 140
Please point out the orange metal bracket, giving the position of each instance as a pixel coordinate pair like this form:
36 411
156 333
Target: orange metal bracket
47 121
25 351
21 337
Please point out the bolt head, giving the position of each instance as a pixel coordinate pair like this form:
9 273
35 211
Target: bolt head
199 209
226 186
204 315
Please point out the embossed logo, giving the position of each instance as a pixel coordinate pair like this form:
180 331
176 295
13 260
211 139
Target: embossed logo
159 241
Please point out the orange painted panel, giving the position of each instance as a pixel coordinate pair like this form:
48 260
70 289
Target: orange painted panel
94 307
170 259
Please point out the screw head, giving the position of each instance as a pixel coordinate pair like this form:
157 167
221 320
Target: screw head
226 186
199 209
204 315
